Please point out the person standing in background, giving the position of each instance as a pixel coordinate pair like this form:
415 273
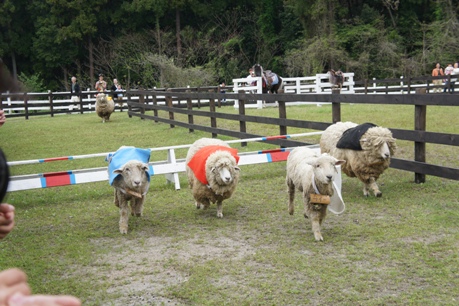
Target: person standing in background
101 85
75 92
448 70
455 72
114 88
437 71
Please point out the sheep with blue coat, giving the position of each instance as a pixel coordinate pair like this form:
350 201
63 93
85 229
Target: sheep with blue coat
129 175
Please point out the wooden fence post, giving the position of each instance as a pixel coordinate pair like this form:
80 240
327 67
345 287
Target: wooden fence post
26 106
336 109
282 115
189 106
155 103
142 109
170 105
128 95
199 99
80 99
213 119
242 124
420 115
50 100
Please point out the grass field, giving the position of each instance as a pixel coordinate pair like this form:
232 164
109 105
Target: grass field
401 249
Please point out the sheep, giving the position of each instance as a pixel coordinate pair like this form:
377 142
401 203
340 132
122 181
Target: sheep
366 148
129 176
212 171
104 106
311 174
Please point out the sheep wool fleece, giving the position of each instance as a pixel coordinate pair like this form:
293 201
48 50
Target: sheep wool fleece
122 156
198 162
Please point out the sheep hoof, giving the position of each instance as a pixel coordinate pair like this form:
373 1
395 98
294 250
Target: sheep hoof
138 214
306 216
123 230
378 194
198 206
318 237
219 215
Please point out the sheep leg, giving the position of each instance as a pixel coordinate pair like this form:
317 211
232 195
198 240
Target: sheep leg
124 216
375 188
116 200
291 198
137 207
219 209
371 185
316 221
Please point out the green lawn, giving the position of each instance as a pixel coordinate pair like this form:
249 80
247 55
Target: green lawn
401 249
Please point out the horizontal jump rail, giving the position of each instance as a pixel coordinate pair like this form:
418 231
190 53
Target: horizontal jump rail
171 167
52 159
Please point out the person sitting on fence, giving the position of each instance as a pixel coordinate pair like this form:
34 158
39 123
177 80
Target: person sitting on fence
250 80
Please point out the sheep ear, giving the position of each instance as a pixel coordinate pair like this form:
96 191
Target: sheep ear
339 162
237 168
145 167
118 171
213 169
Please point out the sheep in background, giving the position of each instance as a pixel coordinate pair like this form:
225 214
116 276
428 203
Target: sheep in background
366 148
312 175
104 106
213 174
129 176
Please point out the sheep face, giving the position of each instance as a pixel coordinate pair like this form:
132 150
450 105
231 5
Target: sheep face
382 147
134 174
224 170
324 168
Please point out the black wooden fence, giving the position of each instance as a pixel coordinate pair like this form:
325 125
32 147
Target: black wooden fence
186 100
148 101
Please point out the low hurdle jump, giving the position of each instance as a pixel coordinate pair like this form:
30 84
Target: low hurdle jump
170 167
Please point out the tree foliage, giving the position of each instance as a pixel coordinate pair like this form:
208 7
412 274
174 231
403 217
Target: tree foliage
147 43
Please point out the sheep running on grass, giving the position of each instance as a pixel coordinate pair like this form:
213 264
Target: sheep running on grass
366 148
312 174
213 174
104 106
129 176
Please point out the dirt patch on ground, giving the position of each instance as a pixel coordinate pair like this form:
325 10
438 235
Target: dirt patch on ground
140 271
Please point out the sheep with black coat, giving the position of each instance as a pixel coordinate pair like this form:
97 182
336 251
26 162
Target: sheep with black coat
213 174
366 148
313 175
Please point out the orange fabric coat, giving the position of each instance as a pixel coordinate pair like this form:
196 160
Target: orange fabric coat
198 162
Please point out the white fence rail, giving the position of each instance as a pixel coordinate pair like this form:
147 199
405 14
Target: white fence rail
318 84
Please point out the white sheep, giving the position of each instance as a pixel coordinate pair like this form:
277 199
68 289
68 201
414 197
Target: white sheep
312 174
366 148
104 106
129 175
213 174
